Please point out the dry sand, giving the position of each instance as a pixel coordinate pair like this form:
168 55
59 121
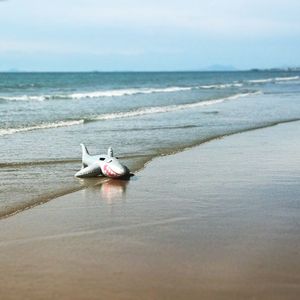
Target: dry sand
219 221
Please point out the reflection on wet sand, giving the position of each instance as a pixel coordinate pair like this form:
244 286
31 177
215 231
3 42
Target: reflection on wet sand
113 191
93 181
107 191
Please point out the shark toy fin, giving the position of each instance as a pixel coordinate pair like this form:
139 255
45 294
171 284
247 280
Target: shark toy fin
84 150
110 152
85 155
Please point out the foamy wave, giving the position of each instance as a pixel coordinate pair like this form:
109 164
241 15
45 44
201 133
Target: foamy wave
127 114
221 86
287 78
170 108
127 92
24 98
136 91
274 79
97 94
40 126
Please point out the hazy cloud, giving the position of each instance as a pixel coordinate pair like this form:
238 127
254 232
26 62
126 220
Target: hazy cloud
139 33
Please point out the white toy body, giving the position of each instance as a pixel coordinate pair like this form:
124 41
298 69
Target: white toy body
97 165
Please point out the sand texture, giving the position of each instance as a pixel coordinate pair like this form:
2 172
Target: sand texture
219 221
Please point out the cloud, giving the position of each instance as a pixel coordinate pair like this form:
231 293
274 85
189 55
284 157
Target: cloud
159 30
215 17
55 47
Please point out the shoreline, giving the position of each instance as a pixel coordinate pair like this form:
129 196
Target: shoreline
196 224
40 200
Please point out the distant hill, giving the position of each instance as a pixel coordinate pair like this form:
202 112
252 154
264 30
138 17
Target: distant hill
284 69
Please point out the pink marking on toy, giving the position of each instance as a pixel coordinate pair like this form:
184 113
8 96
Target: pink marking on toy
109 172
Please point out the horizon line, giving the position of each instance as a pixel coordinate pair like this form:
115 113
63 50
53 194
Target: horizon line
155 71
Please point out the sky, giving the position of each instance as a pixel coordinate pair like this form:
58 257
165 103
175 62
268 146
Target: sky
135 35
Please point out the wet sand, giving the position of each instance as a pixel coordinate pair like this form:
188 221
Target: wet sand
219 221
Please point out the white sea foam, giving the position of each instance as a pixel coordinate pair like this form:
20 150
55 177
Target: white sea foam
221 86
169 108
24 98
287 78
8 131
127 92
97 94
274 79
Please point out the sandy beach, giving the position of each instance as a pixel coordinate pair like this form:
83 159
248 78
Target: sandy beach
218 221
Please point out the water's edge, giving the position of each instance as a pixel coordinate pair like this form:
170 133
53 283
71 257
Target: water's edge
143 163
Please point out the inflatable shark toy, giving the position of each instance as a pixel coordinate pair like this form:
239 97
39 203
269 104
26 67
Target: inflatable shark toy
97 165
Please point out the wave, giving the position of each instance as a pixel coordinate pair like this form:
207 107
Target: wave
265 80
150 128
116 92
128 92
24 98
240 84
137 91
221 86
126 114
169 108
97 94
8 131
287 78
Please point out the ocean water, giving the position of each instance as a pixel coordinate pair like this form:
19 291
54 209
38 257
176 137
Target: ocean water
45 116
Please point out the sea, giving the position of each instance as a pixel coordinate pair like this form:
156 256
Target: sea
141 115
